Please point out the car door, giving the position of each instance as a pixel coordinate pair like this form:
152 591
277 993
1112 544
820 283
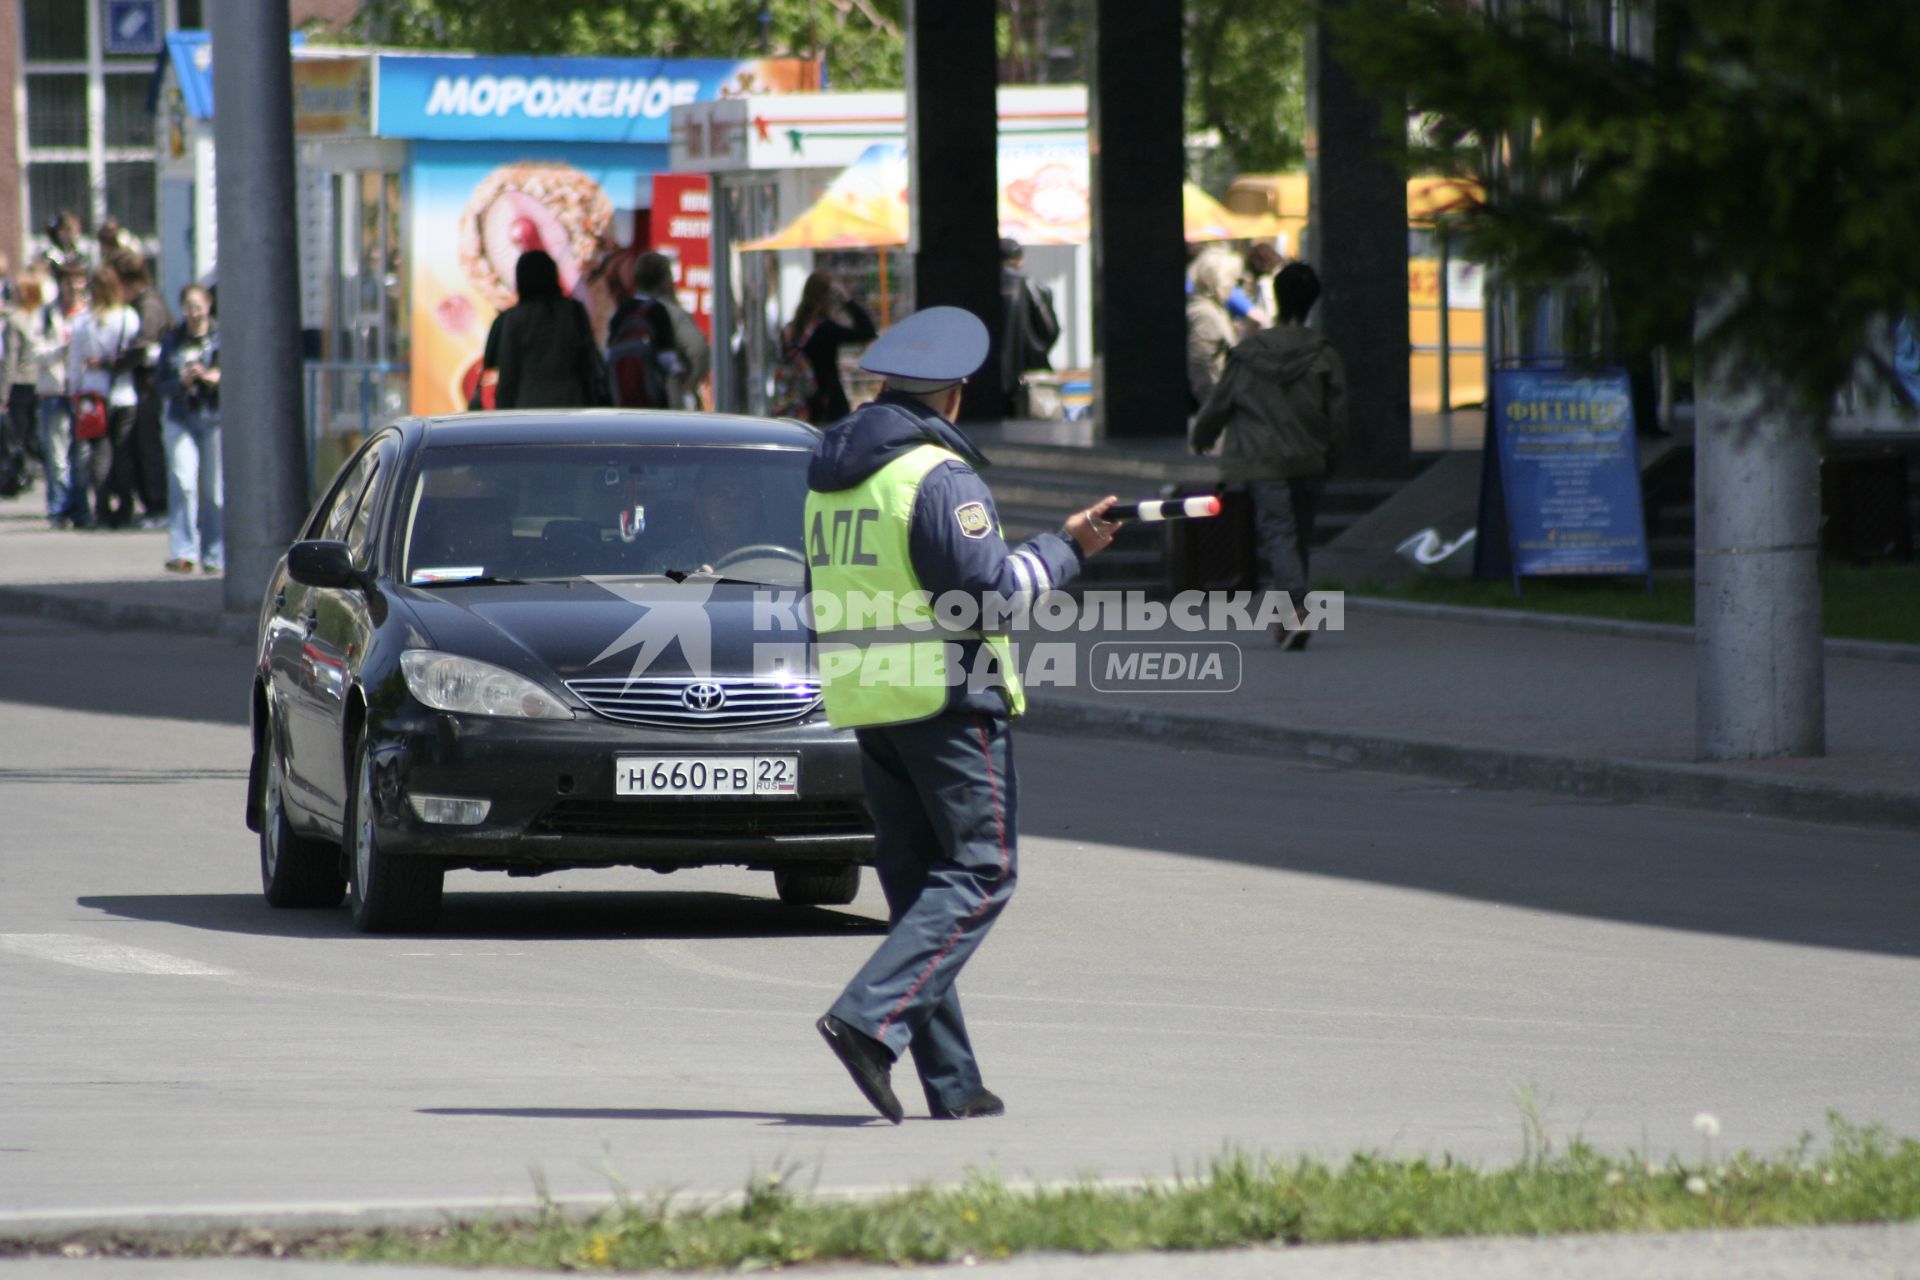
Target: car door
338 631
309 668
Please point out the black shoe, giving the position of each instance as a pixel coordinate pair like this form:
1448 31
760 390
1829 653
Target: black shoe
867 1061
984 1103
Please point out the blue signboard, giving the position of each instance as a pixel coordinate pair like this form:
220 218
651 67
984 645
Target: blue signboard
1564 459
133 27
547 99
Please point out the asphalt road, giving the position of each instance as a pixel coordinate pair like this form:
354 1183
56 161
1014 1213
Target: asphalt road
1207 952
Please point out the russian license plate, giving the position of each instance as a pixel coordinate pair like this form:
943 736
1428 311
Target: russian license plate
737 776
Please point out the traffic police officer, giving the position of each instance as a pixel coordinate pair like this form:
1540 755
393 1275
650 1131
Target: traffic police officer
896 517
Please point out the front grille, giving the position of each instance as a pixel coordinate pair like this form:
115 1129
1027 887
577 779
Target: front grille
664 700
693 819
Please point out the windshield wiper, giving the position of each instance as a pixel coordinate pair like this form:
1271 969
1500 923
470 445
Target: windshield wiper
708 575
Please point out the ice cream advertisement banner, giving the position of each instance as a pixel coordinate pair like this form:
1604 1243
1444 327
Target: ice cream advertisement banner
464 98
477 209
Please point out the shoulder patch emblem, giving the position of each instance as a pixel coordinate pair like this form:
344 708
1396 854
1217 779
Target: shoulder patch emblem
973 518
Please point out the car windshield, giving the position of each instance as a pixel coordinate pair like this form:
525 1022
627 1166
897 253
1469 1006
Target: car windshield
562 511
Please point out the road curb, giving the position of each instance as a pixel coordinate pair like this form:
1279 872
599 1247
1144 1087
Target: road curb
116 614
1588 777
1617 628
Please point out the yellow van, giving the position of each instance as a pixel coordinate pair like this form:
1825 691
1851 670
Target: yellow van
1452 341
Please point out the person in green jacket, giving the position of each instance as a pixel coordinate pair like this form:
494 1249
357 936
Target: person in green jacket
1282 403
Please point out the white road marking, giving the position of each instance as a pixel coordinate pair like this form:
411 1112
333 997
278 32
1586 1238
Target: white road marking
104 957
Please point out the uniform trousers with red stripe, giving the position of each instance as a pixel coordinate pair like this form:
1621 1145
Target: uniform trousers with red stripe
943 797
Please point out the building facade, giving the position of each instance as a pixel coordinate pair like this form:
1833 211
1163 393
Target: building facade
77 127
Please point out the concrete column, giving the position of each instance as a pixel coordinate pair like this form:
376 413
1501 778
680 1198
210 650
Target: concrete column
953 141
1759 656
12 162
1357 241
1139 246
263 449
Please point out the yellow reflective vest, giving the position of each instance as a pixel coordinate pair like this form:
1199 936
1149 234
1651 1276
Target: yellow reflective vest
884 658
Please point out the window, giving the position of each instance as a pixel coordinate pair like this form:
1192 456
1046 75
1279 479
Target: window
129 123
130 195
346 498
55 30
57 109
54 185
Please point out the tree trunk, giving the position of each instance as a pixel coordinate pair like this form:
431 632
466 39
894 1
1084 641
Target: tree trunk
1761 683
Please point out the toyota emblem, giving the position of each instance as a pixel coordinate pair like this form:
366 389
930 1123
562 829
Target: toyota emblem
703 695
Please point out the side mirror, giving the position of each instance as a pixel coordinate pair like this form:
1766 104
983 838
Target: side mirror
322 563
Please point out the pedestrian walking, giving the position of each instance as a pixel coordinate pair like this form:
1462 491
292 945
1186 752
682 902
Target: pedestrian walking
653 277
643 348
17 432
1251 302
100 379
50 332
189 383
148 456
1028 325
545 346
1210 328
930 710
827 319
1282 404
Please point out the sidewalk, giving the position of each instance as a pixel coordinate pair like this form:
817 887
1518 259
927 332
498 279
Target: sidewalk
1474 699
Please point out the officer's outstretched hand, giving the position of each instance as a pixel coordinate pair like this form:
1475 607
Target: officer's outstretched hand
1090 530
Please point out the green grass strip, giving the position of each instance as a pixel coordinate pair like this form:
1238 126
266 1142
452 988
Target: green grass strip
1864 1175
1876 602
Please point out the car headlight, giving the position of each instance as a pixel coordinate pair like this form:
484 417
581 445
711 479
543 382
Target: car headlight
447 682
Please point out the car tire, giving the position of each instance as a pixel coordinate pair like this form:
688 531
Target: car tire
386 893
817 886
295 870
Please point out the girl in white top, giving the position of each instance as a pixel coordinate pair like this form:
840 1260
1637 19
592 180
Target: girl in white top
101 356
103 335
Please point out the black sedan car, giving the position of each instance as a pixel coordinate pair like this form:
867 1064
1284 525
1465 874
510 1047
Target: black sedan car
528 641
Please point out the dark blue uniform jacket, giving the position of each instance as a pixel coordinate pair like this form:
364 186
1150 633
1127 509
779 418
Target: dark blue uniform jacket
950 553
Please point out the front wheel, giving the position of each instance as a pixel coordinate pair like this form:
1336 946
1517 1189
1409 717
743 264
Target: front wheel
295 871
817 886
385 893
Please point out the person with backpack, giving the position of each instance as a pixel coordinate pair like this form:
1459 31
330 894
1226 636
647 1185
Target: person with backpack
827 319
105 400
1028 325
653 276
643 355
544 343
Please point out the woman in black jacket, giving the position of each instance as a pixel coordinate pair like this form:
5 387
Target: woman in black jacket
543 342
818 331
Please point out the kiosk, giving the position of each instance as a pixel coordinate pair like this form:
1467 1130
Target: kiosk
422 178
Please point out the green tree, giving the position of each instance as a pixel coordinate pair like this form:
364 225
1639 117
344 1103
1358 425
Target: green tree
1246 79
858 41
1243 56
1763 155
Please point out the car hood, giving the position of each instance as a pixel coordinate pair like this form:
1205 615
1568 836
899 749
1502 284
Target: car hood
618 626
